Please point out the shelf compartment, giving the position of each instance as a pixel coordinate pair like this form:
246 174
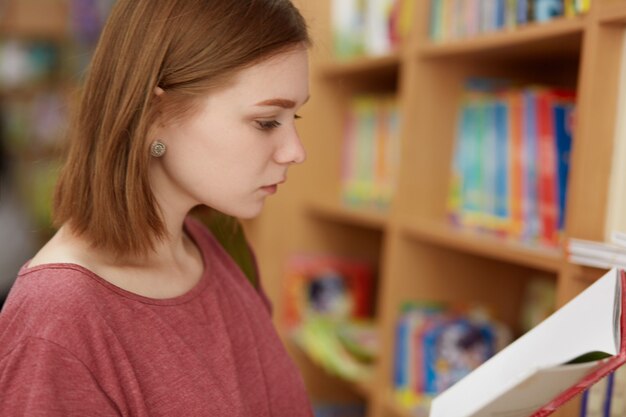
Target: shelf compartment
369 219
446 235
561 36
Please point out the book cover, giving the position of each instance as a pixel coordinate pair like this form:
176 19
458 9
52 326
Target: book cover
327 285
586 339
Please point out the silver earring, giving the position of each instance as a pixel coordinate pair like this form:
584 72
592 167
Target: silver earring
157 149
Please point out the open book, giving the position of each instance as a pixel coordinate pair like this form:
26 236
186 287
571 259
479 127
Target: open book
562 356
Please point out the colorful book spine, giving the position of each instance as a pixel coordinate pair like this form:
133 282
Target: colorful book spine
456 19
546 173
563 117
436 346
371 152
510 165
530 203
516 158
370 27
502 186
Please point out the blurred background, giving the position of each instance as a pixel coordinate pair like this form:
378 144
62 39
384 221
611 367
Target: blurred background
45 47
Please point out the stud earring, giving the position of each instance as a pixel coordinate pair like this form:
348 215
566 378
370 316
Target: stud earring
157 149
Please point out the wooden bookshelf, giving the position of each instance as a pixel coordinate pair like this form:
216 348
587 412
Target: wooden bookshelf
420 255
363 65
481 244
369 218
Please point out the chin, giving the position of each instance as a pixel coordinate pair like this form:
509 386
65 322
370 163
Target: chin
247 213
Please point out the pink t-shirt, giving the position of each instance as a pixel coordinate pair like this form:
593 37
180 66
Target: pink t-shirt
72 344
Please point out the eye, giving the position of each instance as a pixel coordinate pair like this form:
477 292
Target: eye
268 124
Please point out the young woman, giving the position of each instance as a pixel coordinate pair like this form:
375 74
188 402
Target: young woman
133 308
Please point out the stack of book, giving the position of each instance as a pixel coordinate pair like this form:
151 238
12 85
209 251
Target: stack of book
371 151
605 255
455 19
370 27
437 345
511 160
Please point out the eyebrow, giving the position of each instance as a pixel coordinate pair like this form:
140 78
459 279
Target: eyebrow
280 102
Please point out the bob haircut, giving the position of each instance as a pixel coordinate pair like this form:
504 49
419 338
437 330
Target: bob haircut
185 47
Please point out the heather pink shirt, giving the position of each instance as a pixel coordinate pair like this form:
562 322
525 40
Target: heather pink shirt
72 344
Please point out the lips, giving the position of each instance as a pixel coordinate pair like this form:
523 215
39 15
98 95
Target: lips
270 189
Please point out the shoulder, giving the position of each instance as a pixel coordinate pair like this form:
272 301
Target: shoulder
53 302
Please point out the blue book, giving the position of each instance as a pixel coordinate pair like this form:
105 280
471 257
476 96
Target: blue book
502 161
401 376
488 162
548 9
471 182
500 14
563 135
522 12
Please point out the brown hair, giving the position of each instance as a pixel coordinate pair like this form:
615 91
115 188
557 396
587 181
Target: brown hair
186 47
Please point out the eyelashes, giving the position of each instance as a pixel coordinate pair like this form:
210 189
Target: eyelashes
271 124
268 124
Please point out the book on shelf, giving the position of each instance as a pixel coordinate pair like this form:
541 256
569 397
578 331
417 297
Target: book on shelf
599 254
436 345
370 27
371 151
511 161
574 348
458 19
333 286
615 220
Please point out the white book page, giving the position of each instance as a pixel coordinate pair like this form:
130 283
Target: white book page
586 324
535 391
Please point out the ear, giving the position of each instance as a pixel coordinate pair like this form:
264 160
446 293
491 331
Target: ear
158 91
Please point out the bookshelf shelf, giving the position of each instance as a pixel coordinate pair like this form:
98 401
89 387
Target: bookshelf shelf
362 66
562 37
446 235
357 217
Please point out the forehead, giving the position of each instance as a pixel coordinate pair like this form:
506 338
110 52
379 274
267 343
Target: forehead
284 75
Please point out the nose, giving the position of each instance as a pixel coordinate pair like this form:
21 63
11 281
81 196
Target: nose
290 149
